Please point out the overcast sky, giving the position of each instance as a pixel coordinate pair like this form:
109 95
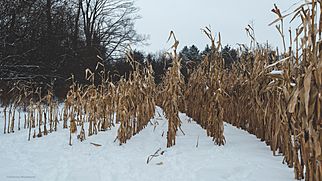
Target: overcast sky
186 17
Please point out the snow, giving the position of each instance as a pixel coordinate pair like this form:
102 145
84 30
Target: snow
50 157
276 72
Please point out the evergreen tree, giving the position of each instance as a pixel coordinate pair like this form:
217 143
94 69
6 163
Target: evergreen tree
230 56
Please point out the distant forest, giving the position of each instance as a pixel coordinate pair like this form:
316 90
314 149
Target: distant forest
45 42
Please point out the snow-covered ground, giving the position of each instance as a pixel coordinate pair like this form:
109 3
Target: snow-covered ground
51 158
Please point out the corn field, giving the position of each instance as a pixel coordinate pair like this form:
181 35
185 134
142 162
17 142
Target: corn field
275 96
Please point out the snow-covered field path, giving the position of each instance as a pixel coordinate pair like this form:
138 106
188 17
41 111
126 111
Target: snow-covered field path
49 158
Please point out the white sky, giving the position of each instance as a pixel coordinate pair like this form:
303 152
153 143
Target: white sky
186 17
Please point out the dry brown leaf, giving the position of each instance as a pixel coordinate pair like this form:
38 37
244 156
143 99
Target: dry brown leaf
307 88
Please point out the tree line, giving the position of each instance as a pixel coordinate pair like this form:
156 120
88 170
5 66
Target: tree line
44 42
48 40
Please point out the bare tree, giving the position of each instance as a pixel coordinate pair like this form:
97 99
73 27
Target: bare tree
110 24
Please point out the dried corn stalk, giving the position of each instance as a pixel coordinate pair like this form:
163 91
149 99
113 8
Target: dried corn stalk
171 94
135 104
280 102
205 95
